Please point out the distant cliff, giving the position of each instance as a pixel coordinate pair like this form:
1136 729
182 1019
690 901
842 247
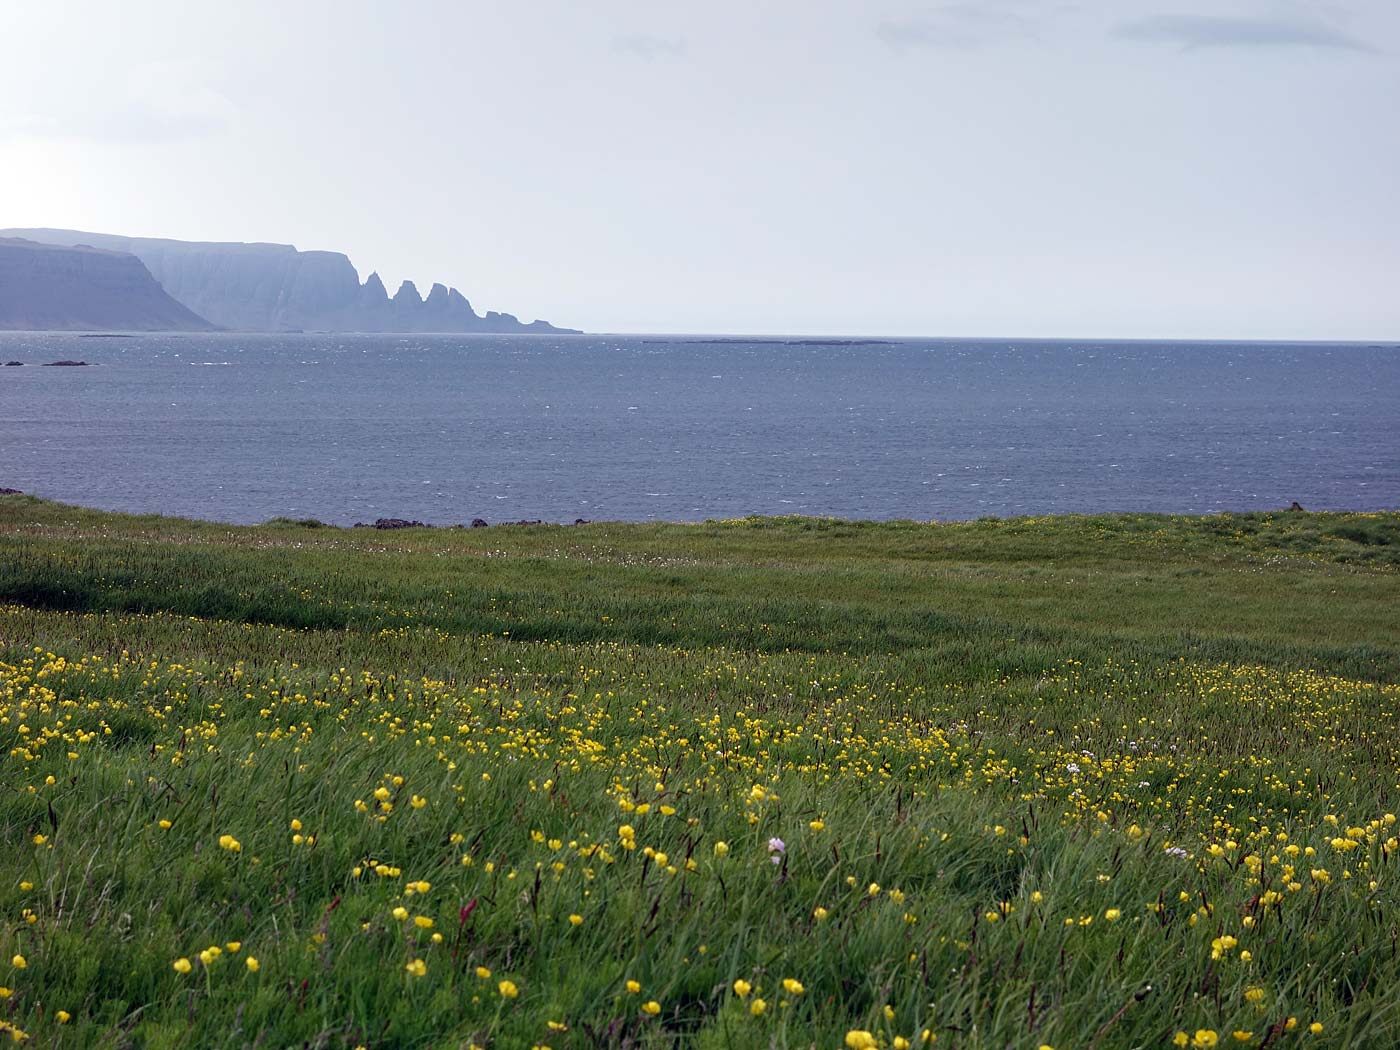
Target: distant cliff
275 288
44 287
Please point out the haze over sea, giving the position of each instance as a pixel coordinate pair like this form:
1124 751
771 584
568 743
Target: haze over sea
243 428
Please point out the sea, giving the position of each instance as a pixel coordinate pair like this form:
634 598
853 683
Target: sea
445 429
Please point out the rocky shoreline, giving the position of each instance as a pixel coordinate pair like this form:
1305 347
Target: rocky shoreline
395 524
405 523
383 524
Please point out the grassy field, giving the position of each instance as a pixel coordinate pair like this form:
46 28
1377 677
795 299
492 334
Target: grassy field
1074 782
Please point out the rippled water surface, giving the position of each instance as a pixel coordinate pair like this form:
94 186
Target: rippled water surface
444 429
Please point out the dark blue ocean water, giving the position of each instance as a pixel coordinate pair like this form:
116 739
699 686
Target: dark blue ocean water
349 428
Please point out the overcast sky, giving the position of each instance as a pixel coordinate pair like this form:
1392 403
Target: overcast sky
1150 168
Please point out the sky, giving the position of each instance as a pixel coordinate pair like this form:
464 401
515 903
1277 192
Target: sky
1102 168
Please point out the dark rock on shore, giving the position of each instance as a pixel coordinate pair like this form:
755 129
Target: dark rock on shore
11 492
476 523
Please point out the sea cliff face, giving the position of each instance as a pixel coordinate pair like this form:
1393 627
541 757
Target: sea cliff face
275 287
45 287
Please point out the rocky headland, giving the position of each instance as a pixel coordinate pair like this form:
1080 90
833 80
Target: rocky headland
276 288
45 287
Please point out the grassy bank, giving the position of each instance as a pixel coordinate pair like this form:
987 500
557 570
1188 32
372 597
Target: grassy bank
1076 781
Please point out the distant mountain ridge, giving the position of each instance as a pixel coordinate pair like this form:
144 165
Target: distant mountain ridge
275 288
45 287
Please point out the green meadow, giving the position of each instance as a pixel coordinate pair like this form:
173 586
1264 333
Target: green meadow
1072 782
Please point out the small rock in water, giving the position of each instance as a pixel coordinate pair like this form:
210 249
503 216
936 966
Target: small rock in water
66 364
13 364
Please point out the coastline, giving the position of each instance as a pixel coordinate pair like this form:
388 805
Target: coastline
12 497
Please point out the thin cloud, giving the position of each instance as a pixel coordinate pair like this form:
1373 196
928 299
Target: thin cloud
960 26
642 45
1202 31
